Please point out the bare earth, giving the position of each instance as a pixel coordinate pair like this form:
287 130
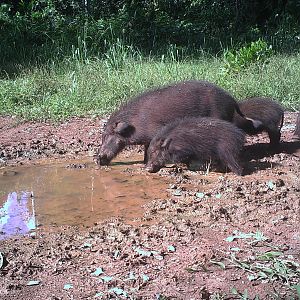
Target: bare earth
216 235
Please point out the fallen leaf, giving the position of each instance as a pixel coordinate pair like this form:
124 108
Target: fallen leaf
100 294
236 249
218 196
118 291
200 195
177 193
145 278
86 245
116 254
131 276
33 282
252 277
171 248
68 286
106 278
271 185
218 263
98 272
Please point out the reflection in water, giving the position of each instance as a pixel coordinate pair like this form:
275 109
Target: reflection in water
74 196
16 215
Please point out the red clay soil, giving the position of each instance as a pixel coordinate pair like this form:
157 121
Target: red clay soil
216 235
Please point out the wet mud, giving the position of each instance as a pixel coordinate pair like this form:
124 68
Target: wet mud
72 193
177 234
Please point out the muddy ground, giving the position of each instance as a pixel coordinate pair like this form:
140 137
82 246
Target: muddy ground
215 236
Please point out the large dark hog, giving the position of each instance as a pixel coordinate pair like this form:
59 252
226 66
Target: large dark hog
137 121
266 110
196 139
297 130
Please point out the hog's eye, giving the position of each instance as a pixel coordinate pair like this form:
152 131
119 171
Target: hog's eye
152 151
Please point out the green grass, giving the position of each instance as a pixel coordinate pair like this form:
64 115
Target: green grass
90 87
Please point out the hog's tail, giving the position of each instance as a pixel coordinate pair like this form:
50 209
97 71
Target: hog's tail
282 119
256 123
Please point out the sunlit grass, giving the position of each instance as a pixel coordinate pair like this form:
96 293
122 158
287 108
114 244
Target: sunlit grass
95 87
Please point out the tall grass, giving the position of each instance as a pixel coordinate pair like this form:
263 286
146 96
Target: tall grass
81 86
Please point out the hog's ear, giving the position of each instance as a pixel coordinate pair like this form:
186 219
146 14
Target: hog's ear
166 143
124 129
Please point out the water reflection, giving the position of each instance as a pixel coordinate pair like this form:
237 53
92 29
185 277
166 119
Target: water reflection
73 196
17 215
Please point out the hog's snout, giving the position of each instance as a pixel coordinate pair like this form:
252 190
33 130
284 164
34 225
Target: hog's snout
153 168
103 160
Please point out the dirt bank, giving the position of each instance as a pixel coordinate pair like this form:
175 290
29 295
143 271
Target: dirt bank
214 236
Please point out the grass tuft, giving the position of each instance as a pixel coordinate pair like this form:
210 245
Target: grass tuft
88 87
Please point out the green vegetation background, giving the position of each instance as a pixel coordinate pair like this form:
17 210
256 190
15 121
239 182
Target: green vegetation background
64 58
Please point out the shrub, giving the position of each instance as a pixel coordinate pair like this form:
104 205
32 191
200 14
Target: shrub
236 60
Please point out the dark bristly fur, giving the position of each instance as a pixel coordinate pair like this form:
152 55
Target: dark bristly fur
297 130
136 122
266 110
194 138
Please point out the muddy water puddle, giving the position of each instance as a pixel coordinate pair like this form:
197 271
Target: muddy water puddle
76 193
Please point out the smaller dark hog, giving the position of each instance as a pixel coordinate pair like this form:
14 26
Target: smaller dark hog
195 138
297 130
266 110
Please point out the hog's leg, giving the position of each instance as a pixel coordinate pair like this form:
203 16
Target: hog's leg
146 146
234 165
274 136
230 158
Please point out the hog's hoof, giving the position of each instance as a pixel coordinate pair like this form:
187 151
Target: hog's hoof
102 161
152 169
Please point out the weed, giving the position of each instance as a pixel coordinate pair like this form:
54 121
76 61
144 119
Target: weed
163 297
89 87
254 237
79 53
118 54
218 296
265 266
269 266
242 295
255 52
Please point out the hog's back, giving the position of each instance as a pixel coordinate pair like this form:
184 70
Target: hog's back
263 109
152 110
203 136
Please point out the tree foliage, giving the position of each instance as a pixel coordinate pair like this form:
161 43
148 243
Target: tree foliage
53 27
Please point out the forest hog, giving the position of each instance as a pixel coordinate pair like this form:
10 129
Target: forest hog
192 139
297 130
266 110
137 121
